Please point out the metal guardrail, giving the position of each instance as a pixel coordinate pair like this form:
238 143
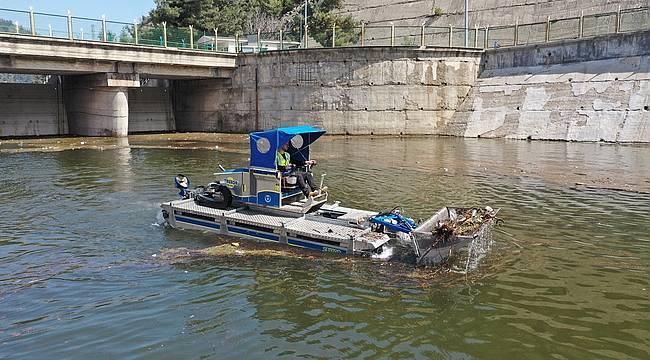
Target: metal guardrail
32 23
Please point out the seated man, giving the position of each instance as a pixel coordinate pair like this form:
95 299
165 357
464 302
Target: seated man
305 179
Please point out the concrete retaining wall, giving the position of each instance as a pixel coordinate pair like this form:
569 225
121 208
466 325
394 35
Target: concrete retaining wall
150 110
584 90
482 13
212 106
347 91
569 51
32 110
580 91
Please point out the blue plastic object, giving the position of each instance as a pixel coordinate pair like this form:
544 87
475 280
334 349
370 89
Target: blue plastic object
395 222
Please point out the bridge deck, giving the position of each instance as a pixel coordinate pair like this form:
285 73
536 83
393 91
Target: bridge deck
34 54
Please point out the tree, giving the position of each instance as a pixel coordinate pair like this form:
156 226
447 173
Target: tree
9 26
322 23
126 35
202 14
248 16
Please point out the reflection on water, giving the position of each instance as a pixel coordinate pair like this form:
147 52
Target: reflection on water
567 275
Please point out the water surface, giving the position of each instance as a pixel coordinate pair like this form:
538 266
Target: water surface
567 276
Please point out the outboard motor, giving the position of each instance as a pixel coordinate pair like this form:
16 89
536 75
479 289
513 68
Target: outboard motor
182 183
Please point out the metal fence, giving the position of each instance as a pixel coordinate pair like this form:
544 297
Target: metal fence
570 28
75 28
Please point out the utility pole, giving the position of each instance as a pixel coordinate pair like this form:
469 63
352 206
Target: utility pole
305 23
466 22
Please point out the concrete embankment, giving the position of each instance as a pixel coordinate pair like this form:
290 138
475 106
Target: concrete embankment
481 13
580 90
583 90
347 91
588 89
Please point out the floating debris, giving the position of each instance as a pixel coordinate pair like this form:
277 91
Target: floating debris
233 249
223 250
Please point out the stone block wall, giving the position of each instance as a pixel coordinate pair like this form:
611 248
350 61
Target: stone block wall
346 91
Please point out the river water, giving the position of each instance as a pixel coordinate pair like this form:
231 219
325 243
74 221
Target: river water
81 273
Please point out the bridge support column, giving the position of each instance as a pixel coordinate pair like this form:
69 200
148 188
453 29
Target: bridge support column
98 104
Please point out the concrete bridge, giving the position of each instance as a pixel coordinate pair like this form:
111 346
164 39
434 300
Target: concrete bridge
97 75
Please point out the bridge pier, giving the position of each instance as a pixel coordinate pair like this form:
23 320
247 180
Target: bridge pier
98 104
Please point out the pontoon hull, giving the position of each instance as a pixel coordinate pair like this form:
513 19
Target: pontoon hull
312 231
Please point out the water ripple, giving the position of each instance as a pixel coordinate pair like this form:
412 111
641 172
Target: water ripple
566 277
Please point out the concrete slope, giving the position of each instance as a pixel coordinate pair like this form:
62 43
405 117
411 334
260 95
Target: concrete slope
482 13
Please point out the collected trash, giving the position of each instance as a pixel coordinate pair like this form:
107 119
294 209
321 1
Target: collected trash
467 222
451 229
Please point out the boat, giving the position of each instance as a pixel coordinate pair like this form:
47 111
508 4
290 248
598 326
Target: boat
263 203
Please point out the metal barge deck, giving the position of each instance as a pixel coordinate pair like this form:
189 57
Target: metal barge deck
332 228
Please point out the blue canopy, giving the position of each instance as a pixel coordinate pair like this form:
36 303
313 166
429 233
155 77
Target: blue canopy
265 144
